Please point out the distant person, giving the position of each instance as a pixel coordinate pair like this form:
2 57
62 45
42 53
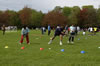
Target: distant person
58 32
95 30
84 31
3 29
78 29
91 30
43 29
72 34
24 33
66 30
49 30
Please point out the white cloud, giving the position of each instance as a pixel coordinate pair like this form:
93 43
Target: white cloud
44 5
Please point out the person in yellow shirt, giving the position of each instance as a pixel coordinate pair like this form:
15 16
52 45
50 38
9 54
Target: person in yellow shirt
95 30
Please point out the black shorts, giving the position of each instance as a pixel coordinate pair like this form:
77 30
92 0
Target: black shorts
58 34
73 33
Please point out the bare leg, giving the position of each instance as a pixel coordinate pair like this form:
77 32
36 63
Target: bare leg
61 38
51 40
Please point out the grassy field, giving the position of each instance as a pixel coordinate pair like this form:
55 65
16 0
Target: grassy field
32 56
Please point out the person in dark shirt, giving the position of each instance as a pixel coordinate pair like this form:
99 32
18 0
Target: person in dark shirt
58 32
3 29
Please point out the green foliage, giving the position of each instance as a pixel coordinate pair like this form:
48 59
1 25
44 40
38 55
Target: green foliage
85 17
66 11
98 17
88 17
36 18
57 9
54 19
14 19
73 17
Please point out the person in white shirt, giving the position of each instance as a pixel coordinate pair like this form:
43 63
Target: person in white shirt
78 29
72 34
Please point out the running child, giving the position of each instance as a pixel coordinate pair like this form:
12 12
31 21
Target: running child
58 32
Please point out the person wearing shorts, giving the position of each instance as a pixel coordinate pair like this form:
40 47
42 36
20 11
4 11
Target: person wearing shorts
58 32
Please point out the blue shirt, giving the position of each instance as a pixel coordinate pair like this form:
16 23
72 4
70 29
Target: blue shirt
49 28
24 31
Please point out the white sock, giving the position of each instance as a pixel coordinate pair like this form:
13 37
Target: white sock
60 42
50 40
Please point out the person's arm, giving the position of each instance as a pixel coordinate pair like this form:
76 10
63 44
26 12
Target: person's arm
22 31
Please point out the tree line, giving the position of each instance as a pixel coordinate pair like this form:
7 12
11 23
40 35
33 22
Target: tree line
84 17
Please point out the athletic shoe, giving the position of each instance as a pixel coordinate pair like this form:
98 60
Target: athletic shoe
20 43
67 41
72 42
28 43
60 43
49 42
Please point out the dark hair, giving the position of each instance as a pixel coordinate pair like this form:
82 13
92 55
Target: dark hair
24 26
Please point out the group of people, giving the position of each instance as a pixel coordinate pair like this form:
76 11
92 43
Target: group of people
60 31
24 33
93 30
43 30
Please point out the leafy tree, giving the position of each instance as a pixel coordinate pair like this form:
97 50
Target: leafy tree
73 17
36 18
66 11
14 18
54 19
98 17
57 9
4 17
25 15
88 17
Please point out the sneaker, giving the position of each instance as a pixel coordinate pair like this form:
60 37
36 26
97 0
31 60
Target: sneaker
49 42
67 41
60 43
20 43
72 42
28 43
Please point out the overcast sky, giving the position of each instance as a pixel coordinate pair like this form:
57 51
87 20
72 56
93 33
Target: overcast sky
44 5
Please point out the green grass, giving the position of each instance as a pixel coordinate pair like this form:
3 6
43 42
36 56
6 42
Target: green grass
32 56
